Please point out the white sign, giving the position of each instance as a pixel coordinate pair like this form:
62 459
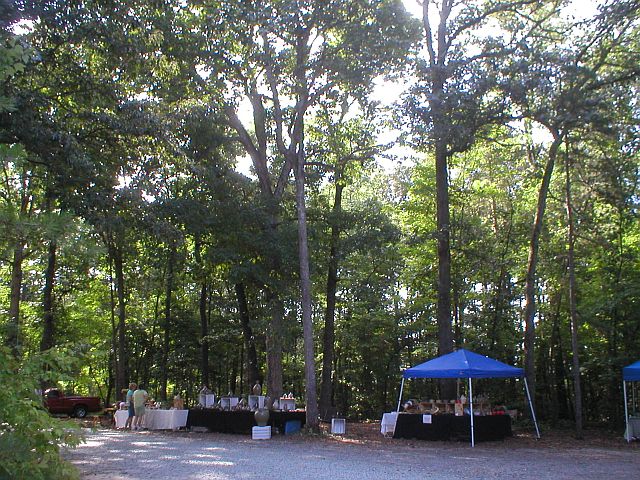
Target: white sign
426 418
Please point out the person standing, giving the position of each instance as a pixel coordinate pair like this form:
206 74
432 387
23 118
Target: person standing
139 398
130 406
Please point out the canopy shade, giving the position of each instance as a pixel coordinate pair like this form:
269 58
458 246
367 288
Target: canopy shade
631 373
463 364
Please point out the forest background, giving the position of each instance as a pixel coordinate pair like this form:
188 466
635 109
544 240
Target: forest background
132 244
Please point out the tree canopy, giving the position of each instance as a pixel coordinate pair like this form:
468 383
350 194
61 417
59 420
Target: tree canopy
131 231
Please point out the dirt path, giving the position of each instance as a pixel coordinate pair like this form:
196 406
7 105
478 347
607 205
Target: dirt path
116 455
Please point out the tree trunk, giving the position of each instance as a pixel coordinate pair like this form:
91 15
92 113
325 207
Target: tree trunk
272 198
311 399
275 332
573 310
530 277
253 373
204 320
437 78
121 370
113 357
328 337
445 338
274 346
204 332
445 333
48 331
171 259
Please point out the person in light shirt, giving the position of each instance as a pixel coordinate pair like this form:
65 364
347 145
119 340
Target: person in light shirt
130 406
139 398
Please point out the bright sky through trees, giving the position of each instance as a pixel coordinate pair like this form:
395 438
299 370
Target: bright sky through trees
388 93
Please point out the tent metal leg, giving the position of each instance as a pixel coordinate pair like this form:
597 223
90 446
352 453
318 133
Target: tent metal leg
473 439
400 396
627 434
533 413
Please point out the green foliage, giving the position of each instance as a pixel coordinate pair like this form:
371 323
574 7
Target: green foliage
14 56
120 138
30 439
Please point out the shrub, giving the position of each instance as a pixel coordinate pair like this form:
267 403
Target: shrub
30 439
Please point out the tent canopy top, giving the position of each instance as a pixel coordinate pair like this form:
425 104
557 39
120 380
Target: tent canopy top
464 364
631 373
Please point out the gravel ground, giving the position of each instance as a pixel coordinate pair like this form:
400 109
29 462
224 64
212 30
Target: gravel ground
117 455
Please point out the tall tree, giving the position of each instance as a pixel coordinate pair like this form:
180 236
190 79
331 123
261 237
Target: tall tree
573 303
450 103
20 202
286 57
560 89
344 147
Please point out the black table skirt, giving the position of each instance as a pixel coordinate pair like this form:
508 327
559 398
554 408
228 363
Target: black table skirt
238 422
451 427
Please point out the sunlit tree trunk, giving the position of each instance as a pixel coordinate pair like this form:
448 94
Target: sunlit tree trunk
311 400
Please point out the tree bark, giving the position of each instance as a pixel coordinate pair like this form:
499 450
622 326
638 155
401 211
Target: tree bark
253 373
122 361
171 260
271 200
437 61
328 337
204 332
274 346
48 331
530 276
204 320
311 399
445 335
573 309
113 357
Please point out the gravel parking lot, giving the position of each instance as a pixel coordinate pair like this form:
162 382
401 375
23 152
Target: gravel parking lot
118 455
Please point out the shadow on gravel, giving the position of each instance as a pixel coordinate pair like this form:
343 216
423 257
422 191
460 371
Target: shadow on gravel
361 453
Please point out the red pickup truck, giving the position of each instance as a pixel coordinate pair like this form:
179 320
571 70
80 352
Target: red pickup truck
56 402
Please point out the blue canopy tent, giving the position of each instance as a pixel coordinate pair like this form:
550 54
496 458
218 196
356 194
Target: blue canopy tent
630 373
465 364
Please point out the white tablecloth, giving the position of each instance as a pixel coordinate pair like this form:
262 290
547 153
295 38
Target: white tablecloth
634 427
157 419
388 423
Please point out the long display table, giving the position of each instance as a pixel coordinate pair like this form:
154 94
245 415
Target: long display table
451 427
239 421
156 419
